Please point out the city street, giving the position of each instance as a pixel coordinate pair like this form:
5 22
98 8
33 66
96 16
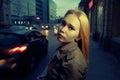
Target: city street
26 52
103 65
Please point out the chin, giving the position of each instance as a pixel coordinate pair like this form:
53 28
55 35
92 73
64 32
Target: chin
60 40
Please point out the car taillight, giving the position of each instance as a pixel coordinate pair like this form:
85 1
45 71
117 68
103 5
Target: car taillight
19 49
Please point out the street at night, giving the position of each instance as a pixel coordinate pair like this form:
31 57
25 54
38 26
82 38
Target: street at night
102 64
29 38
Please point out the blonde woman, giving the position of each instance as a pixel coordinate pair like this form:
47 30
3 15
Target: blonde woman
71 60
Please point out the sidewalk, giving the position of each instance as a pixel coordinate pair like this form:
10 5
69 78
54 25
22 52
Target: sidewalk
102 66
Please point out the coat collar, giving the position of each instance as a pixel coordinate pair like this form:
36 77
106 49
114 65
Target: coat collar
65 50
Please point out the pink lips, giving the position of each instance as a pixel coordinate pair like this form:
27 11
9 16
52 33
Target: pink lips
59 36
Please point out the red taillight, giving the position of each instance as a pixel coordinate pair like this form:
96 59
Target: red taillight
19 49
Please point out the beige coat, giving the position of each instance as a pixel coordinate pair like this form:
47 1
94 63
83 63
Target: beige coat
68 64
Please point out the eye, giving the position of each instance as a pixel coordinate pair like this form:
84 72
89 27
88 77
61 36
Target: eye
70 27
63 23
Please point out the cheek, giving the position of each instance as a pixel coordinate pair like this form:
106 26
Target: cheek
73 35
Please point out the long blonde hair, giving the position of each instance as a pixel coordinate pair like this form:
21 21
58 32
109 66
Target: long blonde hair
84 34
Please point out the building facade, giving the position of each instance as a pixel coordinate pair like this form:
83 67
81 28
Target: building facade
105 26
5 16
52 11
46 11
22 11
39 10
26 12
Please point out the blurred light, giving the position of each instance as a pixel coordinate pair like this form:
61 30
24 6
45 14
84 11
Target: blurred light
28 22
30 28
38 18
46 26
55 30
100 8
23 48
26 28
21 22
13 65
15 22
90 4
18 22
45 32
17 49
42 27
54 27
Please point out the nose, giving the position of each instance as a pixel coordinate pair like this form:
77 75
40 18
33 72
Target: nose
62 29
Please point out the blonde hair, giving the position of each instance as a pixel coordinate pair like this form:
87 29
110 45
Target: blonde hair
84 34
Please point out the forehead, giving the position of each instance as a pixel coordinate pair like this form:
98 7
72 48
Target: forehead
73 20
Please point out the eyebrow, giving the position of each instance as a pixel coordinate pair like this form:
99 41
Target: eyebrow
68 24
63 21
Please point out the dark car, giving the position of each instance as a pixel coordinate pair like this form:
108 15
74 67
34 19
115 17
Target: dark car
20 50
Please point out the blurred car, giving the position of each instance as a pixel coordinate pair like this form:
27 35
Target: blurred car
20 50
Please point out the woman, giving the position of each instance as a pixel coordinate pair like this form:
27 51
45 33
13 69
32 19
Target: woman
71 62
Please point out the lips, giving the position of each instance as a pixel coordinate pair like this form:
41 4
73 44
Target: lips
59 36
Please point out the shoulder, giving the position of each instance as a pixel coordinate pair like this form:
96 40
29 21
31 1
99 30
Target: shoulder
75 59
75 54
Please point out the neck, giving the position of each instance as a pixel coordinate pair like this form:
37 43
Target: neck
64 43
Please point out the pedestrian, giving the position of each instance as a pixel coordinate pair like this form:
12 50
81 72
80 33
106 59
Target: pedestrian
71 59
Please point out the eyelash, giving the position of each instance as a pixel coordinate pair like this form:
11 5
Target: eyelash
70 27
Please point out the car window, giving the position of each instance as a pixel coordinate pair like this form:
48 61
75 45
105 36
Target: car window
36 34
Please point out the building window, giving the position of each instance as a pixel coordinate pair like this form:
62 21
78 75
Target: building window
18 22
15 22
28 22
21 22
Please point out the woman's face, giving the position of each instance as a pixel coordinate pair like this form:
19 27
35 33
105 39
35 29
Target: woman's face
69 29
